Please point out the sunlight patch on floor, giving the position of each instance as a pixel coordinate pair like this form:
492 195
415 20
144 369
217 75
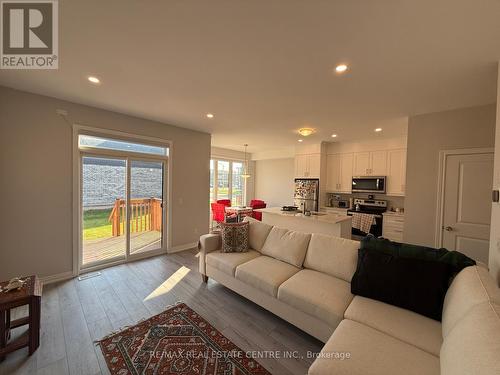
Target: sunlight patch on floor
168 284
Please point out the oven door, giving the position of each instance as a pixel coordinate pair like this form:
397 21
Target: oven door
376 229
368 184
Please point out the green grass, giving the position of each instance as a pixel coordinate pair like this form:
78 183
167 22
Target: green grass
96 224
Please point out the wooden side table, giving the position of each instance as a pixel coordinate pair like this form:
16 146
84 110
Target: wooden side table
30 294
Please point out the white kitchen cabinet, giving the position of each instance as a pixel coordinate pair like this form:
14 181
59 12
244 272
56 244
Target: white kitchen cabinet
361 163
314 165
339 173
346 161
333 172
396 172
308 166
393 226
373 163
378 163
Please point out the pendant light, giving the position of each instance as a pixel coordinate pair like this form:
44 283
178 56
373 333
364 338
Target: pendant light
245 171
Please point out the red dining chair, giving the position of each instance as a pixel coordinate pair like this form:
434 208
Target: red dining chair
219 214
225 202
255 204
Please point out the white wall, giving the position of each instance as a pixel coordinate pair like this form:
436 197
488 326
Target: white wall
36 179
366 145
494 256
274 181
428 134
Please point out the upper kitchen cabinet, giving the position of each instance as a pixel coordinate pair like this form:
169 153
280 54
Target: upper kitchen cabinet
370 163
308 166
339 173
333 173
396 172
361 163
378 163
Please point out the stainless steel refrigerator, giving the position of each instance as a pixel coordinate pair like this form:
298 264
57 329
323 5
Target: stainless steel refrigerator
306 193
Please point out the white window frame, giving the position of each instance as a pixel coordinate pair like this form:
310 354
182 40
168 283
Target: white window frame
79 152
230 178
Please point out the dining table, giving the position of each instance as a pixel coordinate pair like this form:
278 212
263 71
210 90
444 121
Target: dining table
239 211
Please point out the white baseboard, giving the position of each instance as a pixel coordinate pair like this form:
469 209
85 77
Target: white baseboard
57 277
176 249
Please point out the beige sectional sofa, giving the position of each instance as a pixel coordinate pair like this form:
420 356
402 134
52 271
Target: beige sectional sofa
305 279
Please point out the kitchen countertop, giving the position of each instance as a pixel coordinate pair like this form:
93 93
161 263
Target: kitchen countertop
322 217
393 213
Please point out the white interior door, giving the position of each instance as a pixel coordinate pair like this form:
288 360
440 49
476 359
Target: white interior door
466 211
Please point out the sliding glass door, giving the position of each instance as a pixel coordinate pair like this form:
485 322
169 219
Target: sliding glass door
104 182
146 202
122 202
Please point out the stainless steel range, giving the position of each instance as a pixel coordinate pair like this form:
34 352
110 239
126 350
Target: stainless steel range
369 206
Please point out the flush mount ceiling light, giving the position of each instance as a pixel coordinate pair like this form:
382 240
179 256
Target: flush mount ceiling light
210 115
378 130
300 140
94 80
305 132
334 135
245 173
341 68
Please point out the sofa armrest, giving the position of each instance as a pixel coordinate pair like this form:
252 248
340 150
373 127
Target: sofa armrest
208 243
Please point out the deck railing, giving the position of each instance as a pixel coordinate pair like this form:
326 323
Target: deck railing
145 215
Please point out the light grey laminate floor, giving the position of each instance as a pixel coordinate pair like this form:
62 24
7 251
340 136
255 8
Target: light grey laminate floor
75 313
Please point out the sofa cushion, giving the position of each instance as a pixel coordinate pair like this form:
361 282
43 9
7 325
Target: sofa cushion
472 286
320 295
257 233
371 352
405 325
415 284
473 345
287 245
332 255
227 262
265 273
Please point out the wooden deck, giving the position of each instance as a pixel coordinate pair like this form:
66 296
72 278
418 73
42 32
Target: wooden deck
114 247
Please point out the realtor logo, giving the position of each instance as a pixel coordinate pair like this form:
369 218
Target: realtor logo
29 37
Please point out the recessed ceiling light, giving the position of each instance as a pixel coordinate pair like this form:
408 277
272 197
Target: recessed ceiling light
210 115
305 132
94 80
378 130
300 140
341 68
334 135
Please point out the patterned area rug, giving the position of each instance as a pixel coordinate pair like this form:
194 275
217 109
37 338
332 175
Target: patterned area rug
177 341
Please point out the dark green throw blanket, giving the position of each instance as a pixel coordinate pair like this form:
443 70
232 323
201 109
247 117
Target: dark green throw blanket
408 276
455 259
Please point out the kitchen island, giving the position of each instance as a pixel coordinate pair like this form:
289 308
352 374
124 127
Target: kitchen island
319 222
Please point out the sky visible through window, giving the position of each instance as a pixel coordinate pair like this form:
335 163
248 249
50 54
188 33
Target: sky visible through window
118 145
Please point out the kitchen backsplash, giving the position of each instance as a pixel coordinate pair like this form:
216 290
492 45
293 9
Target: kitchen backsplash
392 201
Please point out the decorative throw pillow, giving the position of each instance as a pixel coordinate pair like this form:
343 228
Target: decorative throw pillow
234 237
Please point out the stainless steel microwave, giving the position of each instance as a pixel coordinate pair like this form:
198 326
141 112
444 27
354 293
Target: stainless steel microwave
368 184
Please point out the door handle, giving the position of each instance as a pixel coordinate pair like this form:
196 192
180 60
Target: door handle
448 228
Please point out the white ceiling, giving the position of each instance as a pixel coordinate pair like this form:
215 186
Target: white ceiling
265 68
